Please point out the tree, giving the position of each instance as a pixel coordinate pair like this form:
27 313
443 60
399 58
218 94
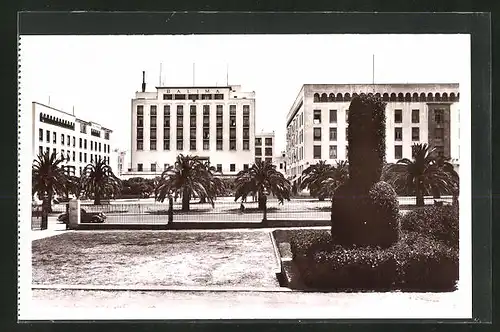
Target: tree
258 179
73 186
48 177
188 176
323 179
424 174
98 181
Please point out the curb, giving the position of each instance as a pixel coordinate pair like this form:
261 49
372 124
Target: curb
162 288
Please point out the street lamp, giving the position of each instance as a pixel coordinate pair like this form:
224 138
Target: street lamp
265 192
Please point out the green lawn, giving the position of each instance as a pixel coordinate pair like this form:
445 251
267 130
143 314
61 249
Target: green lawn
155 258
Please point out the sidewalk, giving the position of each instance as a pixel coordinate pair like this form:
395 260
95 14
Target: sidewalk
53 228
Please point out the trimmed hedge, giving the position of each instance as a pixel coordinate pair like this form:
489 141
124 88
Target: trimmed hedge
438 222
365 219
414 263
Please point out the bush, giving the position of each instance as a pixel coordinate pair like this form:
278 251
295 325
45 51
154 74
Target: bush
414 263
365 219
438 222
305 241
366 138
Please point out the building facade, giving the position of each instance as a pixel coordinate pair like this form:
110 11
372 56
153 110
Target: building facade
215 123
280 162
78 142
316 125
264 147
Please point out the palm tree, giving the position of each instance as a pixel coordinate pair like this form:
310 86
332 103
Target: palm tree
334 178
48 177
258 179
423 174
98 181
73 186
188 176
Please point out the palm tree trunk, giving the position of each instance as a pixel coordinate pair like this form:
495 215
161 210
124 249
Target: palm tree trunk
262 202
186 197
49 202
97 198
419 195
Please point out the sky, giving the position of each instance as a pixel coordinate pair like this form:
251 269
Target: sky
99 75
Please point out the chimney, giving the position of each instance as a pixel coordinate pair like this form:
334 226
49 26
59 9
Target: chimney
143 81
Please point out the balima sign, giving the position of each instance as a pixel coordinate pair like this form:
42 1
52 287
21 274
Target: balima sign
188 91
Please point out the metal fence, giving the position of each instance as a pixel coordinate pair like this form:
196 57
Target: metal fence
225 209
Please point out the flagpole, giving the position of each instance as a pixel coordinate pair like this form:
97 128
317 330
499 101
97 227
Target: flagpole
193 73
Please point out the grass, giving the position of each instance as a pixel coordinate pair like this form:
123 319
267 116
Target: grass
155 258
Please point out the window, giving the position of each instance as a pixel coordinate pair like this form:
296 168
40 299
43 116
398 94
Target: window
219 168
153 167
317 117
258 159
85 157
180 97
219 96
167 96
258 151
180 133
246 145
206 145
333 152
180 110
193 97
68 140
85 143
91 145
415 116
140 135
232 167
152 144
245 167
333 116
232 145
47 149
281 165
99 147
317 134
219 145
398 151
347 152
269 160
166 144
140 145
258 141
62 154
317 152
232 133
180 145
333 134
219 133
439 133
40 135
54 138
40 149
415 134
73 155
439 116
269 151
206 96
54 151
269 141
398 116
139 167
398 134
440 150
246 133
80 157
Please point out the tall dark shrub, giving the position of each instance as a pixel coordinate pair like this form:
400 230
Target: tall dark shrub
366 138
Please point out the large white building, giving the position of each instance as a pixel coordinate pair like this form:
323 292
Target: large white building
78 141
264 147
214 123
316 125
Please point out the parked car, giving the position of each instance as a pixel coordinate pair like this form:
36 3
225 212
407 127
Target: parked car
85 217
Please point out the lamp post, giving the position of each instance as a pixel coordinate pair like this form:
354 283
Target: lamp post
264 198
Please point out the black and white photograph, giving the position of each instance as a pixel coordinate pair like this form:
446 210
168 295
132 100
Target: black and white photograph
246 176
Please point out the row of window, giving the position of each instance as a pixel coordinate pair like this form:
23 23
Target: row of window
193 97
71 141
268 151
67 155
398 133
398 151
219 146
153 110
268 141
154 167
400 97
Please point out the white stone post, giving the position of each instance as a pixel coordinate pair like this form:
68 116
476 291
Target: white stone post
74 214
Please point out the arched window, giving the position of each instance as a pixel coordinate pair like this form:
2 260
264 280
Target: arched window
354 95
316 97
369 94
347 97
385 97
407 96
331 97
445 96
339 97
377 95
429 97
393 97
324 98
452 96
401 97
422 97
437 97
414 97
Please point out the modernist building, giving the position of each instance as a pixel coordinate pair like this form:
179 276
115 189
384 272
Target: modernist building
214 123
280 162
78 141
316 125
264 147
